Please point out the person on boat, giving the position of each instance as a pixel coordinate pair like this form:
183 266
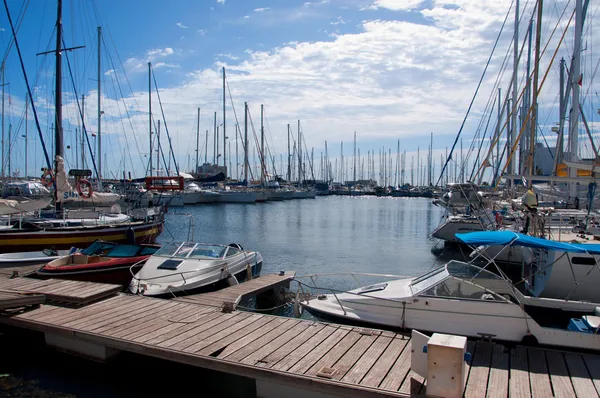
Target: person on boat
529 200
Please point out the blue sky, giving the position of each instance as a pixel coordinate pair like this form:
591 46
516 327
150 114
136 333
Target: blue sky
387 69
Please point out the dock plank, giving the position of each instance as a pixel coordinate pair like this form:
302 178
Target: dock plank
179 332
479 371
99 315
364 364
150 313
216 347
291 358
538 373
257 339
331 358
174 322
200 337
346 362
11 300
279 353
192 336
559 375
593 366
498 379
319 351
380 369
580 378
285 338
234 294
159 321
519 373
399 371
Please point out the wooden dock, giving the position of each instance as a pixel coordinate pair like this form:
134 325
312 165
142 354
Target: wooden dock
64 291
284 355
234 294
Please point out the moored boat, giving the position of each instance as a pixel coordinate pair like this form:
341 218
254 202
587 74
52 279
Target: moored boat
103 262
183 268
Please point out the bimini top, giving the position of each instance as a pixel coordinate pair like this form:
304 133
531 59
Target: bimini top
504 238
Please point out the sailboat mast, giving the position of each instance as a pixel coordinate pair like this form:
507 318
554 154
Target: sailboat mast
299 155
354 167
99 176
150 114
289 157
158 149
262 146
536 69
26 129
197 139
82 131
215 140
574 114
246 142
58 137
513 130
224 135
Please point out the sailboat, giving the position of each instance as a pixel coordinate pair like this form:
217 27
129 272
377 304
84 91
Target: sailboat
64 228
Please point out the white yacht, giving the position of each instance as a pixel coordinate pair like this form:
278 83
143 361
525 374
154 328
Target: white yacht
189 267
459 298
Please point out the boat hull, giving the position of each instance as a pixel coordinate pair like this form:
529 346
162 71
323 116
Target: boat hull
81 237
118 275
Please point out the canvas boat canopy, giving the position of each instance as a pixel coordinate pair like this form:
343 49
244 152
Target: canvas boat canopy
509 238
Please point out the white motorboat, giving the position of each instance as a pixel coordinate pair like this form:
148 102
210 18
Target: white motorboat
195 194
168 198
31 258
191 197
189 267
459 298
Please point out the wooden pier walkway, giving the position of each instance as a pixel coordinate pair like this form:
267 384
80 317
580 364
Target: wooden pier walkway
65 291
286 353
234 294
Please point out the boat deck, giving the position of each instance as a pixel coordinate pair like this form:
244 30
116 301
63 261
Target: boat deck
234 294
293 353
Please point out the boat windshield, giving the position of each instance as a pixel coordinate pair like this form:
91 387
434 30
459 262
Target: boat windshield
191 250
168 249
428 280
98 248
462 270
208 251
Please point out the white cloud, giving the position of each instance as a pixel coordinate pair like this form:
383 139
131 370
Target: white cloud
160 52
109 72
338 21
395 5
221 1
246 16
182 26
201 31
164 65
1 29
315 3
263 9
391 79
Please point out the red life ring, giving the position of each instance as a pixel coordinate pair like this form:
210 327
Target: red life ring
80 191
47 182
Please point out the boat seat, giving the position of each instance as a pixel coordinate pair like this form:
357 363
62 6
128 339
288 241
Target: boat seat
592 321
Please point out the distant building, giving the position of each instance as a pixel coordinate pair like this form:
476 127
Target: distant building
208 170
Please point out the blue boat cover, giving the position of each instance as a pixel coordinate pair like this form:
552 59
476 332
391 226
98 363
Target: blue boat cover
503 238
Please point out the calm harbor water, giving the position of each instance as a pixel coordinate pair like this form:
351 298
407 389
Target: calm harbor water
326 235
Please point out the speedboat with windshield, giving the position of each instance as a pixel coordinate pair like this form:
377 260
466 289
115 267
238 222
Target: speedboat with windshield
464 299
193 267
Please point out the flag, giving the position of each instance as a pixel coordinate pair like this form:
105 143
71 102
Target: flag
580 81
93 134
